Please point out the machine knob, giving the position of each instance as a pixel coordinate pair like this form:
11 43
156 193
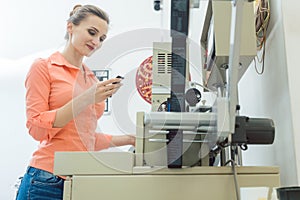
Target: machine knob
193 96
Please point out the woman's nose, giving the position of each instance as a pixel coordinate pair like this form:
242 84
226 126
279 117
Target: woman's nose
96 42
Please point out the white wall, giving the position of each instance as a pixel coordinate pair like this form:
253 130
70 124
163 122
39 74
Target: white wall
15 145
291 17
274 95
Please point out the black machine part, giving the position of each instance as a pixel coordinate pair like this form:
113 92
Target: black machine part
193 96
179 33
157 5
253 131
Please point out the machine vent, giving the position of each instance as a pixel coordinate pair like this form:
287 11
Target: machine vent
164 63
169 63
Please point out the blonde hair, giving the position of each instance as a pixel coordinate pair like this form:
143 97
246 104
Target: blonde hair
80 12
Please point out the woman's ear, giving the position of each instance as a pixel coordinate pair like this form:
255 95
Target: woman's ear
70 27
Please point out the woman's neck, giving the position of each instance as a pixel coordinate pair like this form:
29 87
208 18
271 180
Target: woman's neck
72 56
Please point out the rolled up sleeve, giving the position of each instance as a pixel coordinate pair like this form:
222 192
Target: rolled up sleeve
39 117
103 141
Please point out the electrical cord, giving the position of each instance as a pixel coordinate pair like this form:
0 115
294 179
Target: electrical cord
237 188
262 22
262 61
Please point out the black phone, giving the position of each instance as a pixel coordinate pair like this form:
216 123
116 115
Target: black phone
121 77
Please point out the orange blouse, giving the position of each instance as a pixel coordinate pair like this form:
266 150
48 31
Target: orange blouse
50 84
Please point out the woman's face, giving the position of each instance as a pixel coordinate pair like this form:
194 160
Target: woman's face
88 36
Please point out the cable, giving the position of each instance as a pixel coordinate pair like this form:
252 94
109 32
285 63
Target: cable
262 61
262 22
237 188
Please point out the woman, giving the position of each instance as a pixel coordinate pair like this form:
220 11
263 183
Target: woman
63 102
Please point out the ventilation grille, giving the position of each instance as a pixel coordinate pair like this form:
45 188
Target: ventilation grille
164 63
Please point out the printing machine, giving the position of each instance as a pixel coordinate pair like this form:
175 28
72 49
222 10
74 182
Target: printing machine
186 150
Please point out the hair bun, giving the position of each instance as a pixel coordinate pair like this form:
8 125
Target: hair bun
75 8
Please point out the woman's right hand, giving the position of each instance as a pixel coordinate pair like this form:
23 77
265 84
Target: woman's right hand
95 94
104 89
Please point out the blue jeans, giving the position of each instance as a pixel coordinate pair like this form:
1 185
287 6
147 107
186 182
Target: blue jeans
38 184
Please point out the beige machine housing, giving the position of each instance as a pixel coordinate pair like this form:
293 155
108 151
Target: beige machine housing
161 73
144 174
114 175
217 27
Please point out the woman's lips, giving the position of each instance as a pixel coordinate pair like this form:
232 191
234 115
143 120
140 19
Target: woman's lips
90 47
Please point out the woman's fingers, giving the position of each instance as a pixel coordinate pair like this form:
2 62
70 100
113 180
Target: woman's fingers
101 87
106 89
110 81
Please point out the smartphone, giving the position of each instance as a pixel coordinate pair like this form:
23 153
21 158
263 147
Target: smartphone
121 77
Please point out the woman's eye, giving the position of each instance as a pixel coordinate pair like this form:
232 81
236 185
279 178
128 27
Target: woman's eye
102 39
92 32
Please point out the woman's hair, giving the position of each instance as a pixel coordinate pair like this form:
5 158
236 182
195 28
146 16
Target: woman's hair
80 13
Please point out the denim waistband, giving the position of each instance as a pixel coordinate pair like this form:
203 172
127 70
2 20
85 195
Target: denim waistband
32 170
